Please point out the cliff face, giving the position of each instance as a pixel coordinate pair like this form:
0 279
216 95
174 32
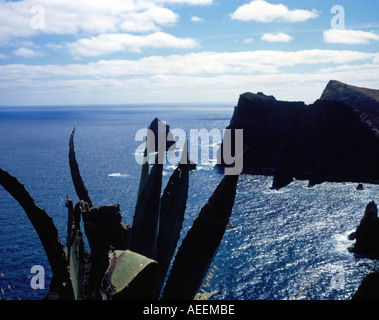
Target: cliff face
266 123
325 141
365 102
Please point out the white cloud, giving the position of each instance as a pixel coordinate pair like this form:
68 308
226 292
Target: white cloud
148 20
262 11
248 40
353 69
224 88
189 2
276 37
196 19
342 36
192 77
116 42
85 17
27 53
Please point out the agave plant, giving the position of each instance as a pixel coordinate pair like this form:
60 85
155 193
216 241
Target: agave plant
131 262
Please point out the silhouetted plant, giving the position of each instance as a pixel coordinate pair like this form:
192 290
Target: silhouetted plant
131 262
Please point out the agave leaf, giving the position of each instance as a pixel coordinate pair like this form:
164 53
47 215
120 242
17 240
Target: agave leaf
122 233
100 225
70 222
145 166
144 235
60 286
173 206
201 243
161 131
129 276
144 232
75 250
205 295
80 188
77 264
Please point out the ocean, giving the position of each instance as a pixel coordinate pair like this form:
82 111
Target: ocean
289 244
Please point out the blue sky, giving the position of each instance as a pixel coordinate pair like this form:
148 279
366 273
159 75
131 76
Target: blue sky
55 52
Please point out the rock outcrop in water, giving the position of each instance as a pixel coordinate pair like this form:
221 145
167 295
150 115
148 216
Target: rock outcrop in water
334 139
360 187
367 245
367 234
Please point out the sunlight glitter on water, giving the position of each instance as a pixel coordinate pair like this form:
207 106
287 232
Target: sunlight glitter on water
283 237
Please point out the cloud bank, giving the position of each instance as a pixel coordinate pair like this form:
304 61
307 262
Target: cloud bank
28 18
342 36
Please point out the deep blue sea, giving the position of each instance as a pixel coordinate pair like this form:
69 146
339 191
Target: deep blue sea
286 245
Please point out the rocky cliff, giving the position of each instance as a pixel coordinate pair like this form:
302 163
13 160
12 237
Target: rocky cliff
334 139
365 102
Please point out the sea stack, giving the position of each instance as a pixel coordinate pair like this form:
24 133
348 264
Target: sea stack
367 234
